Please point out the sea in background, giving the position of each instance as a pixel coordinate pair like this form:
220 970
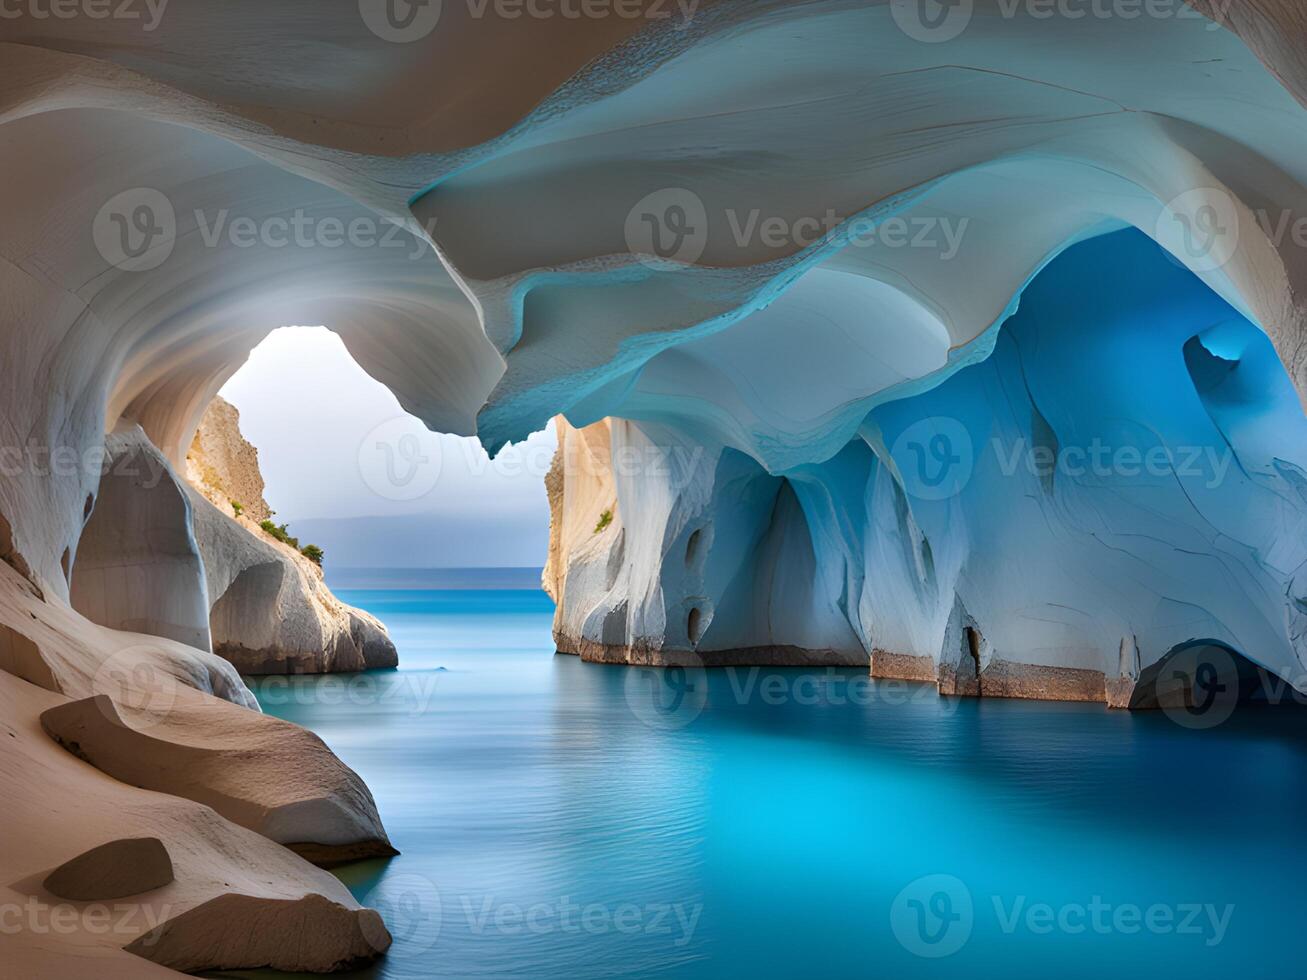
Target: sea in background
560 819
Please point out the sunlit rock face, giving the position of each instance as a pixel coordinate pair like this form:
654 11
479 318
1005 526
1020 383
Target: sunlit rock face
270 611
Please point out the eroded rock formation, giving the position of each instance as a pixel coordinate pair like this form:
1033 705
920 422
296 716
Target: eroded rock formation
222 464
828 268
115 869
244 932
268 775
58 807
271 611
1121 475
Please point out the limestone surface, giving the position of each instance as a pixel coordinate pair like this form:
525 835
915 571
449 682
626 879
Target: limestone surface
57 806
234 932
115 869
223 466
820 289
268 775
271 611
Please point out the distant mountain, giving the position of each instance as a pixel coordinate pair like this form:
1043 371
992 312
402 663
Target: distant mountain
427 540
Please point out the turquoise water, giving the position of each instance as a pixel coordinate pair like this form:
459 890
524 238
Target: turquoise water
568 820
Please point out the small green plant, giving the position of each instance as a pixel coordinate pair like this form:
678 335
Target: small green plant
279 532
605 519
313 553
237 508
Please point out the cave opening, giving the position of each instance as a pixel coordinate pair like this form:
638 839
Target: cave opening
347 469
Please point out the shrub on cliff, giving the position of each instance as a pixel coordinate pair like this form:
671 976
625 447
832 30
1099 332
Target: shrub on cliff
279 532
313 553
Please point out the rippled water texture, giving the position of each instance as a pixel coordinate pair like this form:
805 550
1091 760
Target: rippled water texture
571 820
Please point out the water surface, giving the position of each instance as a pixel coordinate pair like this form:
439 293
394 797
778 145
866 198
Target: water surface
560 819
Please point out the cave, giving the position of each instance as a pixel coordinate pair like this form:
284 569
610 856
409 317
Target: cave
960 346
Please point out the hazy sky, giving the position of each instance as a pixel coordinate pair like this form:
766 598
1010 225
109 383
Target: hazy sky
333 443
